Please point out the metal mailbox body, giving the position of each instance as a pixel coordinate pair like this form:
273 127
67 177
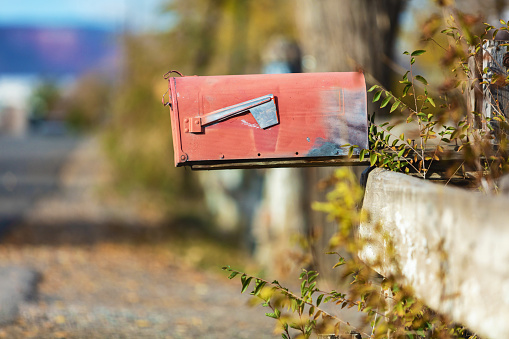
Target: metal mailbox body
279 118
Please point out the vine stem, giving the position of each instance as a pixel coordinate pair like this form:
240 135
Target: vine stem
418 118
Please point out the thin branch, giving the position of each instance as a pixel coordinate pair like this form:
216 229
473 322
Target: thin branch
291 295
455 172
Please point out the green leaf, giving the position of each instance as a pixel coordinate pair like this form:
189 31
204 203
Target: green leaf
319 300
312 277
271 315
394 106
412 61
372 158
259 286
418 52
284 336
245 283
373 88
311 311
362 154
405 90
233 275
377 96
400 154
350 151
421 79
385 102
430 100
295 326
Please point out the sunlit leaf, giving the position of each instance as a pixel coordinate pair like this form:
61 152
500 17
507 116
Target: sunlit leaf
362 154
377 96
395 106
319 300
373 88
245 283
421 79
418 52
372 158
385 102
405 90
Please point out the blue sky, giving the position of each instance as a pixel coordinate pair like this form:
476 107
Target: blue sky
137 14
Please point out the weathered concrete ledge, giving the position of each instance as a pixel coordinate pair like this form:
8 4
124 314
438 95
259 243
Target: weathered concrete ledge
451 246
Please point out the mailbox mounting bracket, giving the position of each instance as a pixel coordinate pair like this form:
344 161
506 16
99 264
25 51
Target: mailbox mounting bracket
263 110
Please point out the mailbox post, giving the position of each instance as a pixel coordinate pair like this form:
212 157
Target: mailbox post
276 120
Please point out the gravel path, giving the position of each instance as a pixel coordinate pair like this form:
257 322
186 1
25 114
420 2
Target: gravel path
105 274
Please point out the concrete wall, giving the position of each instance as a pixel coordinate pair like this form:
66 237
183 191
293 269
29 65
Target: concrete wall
451 246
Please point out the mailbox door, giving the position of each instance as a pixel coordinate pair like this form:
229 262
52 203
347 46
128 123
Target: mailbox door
317 113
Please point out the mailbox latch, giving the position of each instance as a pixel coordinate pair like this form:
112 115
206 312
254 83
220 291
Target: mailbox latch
263 110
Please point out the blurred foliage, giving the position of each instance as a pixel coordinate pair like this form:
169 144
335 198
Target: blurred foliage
210 37
44 99
225 36
138 133
423 31
88 102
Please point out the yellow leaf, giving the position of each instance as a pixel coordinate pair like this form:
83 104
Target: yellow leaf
142 323
60 319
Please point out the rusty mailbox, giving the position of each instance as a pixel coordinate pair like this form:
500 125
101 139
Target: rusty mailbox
264 120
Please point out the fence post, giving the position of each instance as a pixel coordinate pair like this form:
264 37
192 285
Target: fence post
491 99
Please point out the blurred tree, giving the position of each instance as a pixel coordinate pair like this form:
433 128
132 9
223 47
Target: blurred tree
348 35
208 37
88 102
45 99
225 36
138 133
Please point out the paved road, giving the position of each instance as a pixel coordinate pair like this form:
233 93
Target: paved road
29 168
107 272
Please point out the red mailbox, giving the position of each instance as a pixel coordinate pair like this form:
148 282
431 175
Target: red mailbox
267 120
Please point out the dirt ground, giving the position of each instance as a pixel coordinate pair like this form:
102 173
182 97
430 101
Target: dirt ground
106 274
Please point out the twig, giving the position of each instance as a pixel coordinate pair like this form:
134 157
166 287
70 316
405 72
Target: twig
455 172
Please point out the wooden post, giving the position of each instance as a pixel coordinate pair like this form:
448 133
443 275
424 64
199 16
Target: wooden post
491 99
